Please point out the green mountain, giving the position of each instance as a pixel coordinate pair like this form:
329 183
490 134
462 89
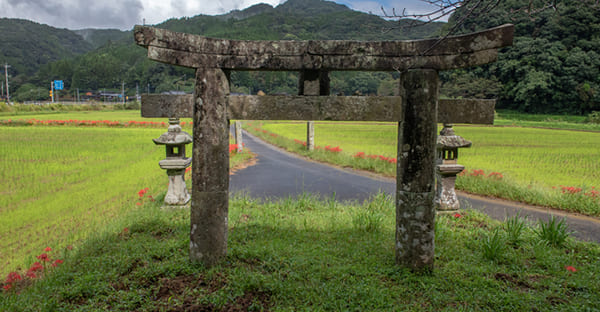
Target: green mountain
116 59
553 65
27 45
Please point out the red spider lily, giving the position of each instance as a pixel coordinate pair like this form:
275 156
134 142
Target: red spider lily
138 204
570 268
359 155
57 262
457 215
7 287
44 257
47 249
336 149
477 173
30 274
570 189
300 142
36 267
142 192
593 193
496 175
233 148
13 277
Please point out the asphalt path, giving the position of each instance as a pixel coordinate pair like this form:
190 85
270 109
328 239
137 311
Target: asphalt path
280 174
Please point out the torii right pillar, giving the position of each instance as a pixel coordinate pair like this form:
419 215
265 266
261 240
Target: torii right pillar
415 189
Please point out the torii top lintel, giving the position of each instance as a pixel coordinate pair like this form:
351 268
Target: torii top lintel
200 52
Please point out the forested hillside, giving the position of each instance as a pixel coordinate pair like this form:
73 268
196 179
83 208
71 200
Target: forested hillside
120 61
27 45
553 66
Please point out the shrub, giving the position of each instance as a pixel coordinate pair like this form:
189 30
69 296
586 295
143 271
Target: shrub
594 118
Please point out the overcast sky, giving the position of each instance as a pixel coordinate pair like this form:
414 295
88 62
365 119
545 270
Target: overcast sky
124 14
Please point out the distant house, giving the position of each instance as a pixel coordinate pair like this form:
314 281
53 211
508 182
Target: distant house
174 92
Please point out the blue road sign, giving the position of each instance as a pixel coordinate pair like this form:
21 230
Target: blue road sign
58 85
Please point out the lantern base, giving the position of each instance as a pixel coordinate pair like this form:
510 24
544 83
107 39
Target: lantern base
446 199
177 194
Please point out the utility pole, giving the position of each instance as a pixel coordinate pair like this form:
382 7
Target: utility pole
123 93
6 66
52 90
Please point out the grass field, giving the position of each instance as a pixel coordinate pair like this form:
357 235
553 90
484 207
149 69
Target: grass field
58 184
301 254
540 166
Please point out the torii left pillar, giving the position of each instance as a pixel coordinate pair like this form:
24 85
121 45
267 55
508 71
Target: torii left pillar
210 192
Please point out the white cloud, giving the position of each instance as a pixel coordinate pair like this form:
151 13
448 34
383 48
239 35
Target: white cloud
124 14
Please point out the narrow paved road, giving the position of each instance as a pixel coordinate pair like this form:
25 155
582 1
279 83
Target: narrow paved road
279 174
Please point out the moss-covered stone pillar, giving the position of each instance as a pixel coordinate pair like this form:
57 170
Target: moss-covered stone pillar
210 178
415 181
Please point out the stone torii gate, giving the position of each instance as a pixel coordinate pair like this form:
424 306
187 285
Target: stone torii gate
415 110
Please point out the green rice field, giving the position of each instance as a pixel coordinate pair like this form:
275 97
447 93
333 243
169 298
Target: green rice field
58 184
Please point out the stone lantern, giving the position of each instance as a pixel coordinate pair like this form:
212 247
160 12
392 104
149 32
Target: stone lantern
447 168
175 163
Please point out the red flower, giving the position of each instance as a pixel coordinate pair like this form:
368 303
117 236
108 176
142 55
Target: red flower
57 262
457 215
570 268
359 155
138 203
7 286
44 257
30 274
36 267
47 249
13 277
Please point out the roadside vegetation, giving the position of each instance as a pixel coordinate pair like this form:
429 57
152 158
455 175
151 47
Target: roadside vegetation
551 168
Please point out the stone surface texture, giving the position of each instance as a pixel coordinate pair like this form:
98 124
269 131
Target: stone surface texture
415 209
210 169
201 52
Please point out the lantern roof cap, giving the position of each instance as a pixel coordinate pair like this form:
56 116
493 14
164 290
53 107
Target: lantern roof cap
449 139
174 136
